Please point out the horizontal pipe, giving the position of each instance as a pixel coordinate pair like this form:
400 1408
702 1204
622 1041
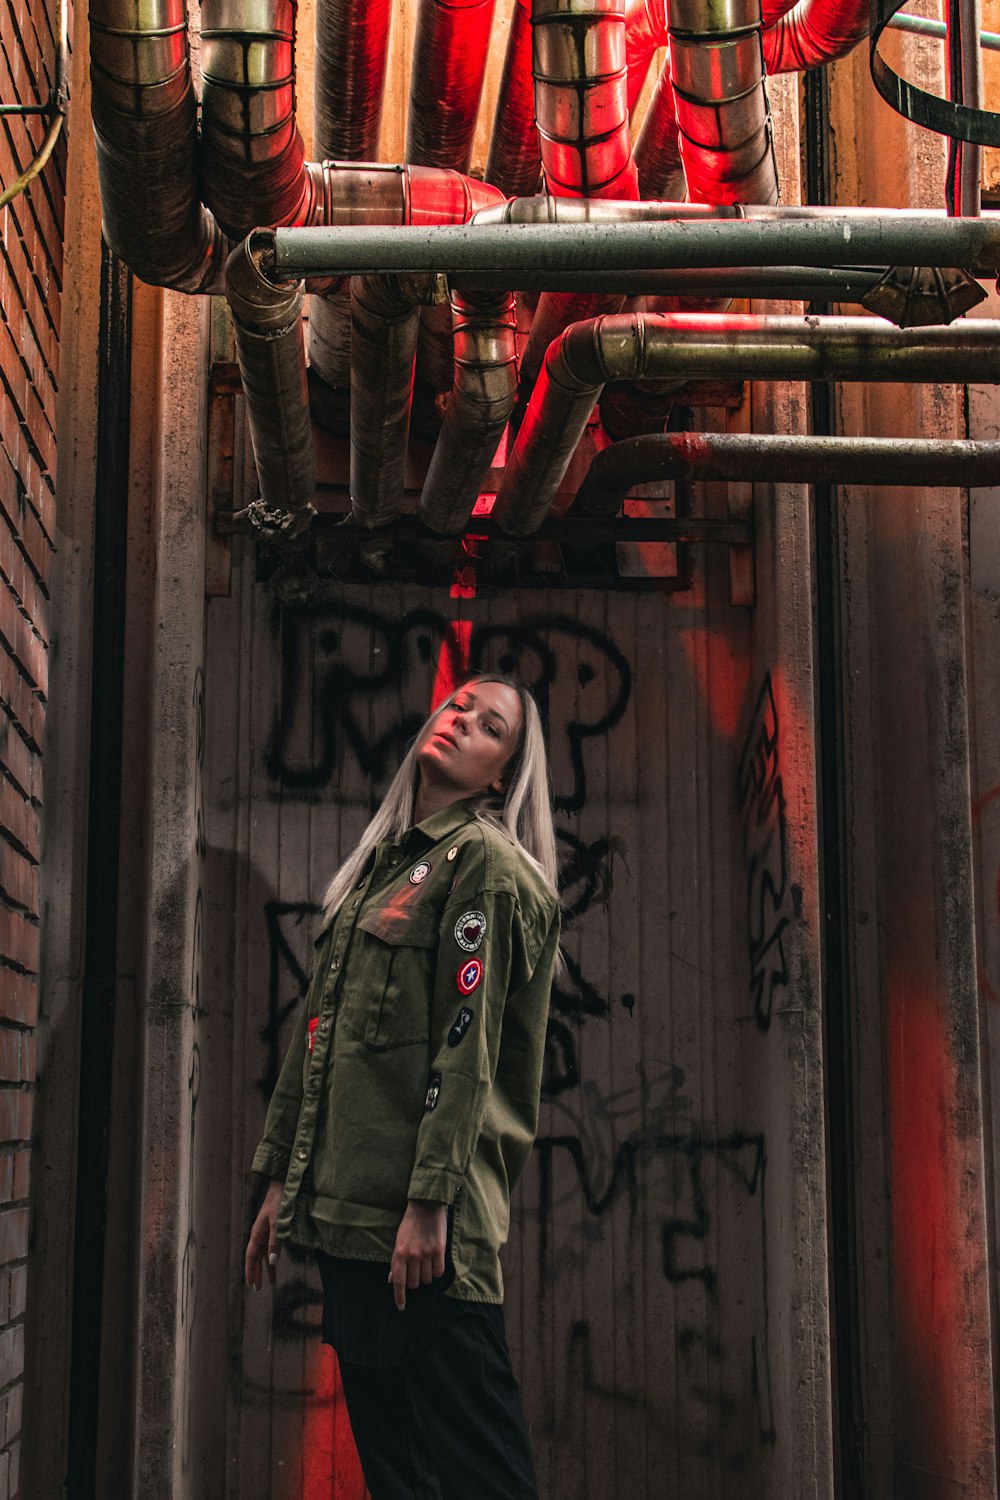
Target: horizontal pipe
773 283
692 346
700 456
924 26
781 238
574 530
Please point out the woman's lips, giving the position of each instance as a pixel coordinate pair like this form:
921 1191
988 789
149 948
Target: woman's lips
449 739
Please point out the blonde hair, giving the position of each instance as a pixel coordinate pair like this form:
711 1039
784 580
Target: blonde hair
522 812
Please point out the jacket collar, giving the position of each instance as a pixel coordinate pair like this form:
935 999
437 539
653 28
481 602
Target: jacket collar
440 824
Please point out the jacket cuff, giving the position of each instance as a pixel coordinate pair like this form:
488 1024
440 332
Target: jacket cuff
436 1184
270 1161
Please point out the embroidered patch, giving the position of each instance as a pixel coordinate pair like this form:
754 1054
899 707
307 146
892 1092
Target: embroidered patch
452 853
462 1023
419 872
470 929
468 976
433 1092
314 1022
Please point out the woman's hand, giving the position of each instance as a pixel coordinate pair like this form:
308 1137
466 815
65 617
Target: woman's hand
420 1246
262 1246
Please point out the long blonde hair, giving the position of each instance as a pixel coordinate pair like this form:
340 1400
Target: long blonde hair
522 812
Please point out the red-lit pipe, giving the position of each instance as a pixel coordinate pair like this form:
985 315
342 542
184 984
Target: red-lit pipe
657 150
581 108
515 158
446 80
815 32
710 346
253 159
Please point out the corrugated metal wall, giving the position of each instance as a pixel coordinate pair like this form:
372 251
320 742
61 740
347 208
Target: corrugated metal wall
666 1273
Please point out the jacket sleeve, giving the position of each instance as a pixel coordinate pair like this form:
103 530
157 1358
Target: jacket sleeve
274 1153
477 950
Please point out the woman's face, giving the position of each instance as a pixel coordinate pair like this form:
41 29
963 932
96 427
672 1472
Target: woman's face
465 746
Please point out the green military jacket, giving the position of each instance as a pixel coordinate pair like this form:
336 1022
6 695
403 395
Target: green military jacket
416 1062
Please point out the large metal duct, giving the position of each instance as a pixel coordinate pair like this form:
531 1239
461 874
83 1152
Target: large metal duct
145 123
657 149
352 39
815 32
710 346
724 124
515 157
446 80
581 109
270 349
253 159
482 399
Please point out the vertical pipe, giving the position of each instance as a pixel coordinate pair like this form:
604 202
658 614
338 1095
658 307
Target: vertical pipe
101 926
965 78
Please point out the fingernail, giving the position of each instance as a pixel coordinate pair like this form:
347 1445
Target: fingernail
272 1259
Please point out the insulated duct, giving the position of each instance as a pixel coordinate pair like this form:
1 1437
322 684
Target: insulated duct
352 40
253 159
270 349
709 346
145 124
482 399
515 157
581 109
446 80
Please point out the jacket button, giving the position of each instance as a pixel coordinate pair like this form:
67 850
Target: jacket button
302 1154
335 964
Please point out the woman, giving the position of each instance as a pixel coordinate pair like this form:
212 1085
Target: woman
407 1105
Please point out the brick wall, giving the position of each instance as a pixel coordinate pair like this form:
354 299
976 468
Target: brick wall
31 230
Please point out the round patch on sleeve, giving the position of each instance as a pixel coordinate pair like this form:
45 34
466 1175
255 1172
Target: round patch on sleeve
470 929
419 872
468 976
452 853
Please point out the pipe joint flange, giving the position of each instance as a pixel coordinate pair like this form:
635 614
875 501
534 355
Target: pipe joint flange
258 302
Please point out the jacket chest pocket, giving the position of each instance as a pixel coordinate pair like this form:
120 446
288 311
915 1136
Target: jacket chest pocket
389 982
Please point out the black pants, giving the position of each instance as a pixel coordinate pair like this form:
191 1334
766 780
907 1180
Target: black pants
445 1424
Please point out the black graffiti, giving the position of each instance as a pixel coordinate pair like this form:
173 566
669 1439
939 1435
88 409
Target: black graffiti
317 651
762 800
586 873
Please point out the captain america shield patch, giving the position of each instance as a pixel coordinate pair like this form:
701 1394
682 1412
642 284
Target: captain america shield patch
468 976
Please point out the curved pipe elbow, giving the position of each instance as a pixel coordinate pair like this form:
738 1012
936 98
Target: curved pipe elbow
815 32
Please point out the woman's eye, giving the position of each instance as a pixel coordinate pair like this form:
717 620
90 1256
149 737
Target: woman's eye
492 729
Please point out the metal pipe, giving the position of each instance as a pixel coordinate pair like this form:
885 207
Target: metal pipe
372 193
657 149
755 458
267 319
709 346
815 32
582 113
720 99
515 157
482 399
56 108
446 80
924 26
965 87
352 40
253 159
759 237
385 317
145 123
774 283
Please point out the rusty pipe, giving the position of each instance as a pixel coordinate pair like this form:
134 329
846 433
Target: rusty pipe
482 399
145 124
761 458
253 160
267 318
709 346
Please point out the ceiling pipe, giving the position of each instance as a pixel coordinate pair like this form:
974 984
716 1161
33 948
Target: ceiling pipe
450 51
737 235
657 148
145 123
252 156
515 158
581 109
482 399
814 32
712 346
267 319
756 458
723 117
